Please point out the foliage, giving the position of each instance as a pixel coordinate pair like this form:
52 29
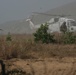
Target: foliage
42 35
69 38
8 38
21 48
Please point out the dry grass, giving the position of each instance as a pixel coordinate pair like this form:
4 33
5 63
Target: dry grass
50 66
37 58
23 46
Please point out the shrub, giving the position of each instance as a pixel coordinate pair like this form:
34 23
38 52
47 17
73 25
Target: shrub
8 38
69 38
43 36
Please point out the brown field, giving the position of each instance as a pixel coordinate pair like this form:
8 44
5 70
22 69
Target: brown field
49 66
37 58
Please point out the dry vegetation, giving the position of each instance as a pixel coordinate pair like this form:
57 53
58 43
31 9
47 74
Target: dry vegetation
30 58
23 46
51 66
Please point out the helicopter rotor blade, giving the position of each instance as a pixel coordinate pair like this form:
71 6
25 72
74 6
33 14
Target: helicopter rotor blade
45 14
61 15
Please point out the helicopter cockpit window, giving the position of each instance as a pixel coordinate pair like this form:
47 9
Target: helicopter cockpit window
72 23
63 27
56 19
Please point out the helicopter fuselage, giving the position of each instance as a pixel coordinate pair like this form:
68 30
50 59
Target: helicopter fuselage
56 23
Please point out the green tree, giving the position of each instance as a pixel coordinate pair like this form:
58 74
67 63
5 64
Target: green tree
42 35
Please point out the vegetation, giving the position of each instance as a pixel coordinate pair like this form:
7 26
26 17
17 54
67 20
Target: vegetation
8 38
21 47
69 38
25 46
43 36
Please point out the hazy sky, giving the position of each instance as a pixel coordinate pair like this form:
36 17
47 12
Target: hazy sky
20 9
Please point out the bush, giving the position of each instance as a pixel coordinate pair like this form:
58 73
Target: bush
43 36
69 38
8 38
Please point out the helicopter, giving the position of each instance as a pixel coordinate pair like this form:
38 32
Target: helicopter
58 24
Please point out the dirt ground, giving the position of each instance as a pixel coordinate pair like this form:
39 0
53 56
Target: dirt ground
47 66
